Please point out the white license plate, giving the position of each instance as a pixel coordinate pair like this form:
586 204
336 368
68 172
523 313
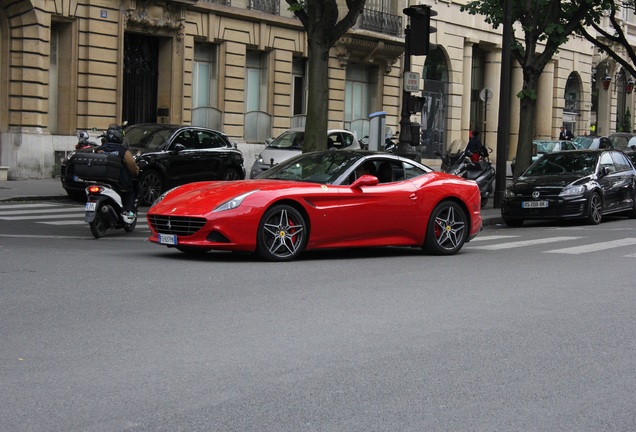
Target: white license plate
534 204
168 239
90 206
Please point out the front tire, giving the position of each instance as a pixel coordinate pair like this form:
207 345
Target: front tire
447 229
150 187
130 227
595 210
282 234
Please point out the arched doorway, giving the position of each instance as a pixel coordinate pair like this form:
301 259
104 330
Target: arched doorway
571 108
433 121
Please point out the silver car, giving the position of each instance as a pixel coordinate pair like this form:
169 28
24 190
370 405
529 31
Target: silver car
290 142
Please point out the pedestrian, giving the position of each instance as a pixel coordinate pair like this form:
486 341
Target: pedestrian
566 134
476 147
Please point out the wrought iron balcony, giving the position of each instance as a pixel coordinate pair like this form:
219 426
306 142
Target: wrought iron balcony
381 22
221 2
269 6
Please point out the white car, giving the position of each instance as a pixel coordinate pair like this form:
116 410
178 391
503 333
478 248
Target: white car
290 142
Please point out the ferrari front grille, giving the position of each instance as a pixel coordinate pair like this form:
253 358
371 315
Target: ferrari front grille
179 225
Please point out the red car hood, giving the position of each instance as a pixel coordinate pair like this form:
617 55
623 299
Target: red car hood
203 197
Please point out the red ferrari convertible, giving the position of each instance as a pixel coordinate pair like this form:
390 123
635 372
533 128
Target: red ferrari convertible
332 199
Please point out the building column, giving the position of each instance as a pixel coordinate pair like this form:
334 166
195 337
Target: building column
545 97
467 73
492 81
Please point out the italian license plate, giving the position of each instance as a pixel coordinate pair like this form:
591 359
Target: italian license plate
168 239
534 204
90 206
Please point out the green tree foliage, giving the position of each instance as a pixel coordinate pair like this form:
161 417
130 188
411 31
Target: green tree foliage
613 44
624 122
539 28
323 26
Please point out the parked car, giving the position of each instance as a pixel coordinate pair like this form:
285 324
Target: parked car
592 142
170 155
623 140
542 147
290 142
576 184
322 200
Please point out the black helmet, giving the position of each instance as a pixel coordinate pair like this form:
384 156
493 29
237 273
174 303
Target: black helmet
115 134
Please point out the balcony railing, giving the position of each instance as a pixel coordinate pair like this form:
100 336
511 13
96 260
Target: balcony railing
269 6
381 22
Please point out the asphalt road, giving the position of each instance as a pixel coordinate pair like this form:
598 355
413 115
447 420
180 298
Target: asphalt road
528 329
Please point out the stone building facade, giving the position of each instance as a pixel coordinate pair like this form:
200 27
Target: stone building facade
239 66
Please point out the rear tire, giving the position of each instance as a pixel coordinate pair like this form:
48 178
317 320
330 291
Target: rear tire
150 187
98 225
230 174
447 229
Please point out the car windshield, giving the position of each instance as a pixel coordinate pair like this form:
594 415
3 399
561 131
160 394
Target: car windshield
567 163
288 140
320 167
583 142
545 146
148 137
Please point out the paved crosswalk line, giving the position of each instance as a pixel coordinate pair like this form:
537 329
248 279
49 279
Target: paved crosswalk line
25 206
493 237
523 243
595 247
41 211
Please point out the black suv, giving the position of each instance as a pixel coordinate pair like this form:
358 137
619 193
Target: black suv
169 155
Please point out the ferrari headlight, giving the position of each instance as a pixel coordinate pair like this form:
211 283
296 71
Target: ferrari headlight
572 191
234 202
161 197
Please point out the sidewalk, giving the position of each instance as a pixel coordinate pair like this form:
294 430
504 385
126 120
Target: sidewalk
51 189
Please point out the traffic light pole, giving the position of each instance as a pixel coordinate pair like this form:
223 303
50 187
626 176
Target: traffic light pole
404 139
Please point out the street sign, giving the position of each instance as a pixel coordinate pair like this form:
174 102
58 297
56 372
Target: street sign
485 94
411 81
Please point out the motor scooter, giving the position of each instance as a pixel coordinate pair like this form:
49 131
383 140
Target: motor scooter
83 141
482 172
104 210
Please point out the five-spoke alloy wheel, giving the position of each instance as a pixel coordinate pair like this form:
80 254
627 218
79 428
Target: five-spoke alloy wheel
447 229
282 234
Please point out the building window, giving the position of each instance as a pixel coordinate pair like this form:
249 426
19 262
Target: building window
205 76
361 90
299 90
257 120
256 82
269 6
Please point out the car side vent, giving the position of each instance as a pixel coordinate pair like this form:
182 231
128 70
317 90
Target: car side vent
181 226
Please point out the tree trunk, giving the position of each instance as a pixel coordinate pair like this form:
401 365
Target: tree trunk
528 116
317 97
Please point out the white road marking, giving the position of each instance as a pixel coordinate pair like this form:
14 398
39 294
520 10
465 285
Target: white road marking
40 211
86 237
595 247
523 243
24 206
492 237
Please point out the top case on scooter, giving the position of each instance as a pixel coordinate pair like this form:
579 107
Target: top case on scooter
97 166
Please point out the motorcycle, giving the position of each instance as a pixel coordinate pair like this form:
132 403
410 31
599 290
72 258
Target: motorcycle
104 210
482 172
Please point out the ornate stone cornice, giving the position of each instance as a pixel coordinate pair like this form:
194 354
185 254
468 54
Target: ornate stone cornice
156 16
368 51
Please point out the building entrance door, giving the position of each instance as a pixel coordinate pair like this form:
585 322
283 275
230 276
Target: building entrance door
141 59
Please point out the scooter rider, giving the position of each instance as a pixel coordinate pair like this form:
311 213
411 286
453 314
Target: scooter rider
476 147
113 145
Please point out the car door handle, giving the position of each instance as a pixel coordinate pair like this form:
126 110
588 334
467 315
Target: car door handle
413 196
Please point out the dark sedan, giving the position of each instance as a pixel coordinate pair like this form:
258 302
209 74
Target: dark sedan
170 155
576 184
